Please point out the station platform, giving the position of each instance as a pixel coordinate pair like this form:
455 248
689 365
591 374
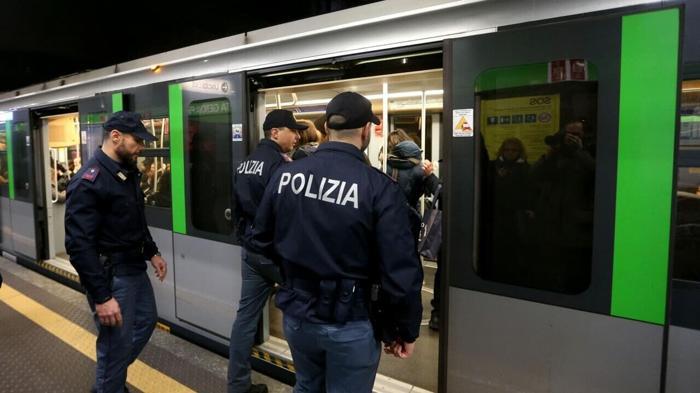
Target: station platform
47 344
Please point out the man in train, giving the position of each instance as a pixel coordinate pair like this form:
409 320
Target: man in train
258 274
341 231
108 242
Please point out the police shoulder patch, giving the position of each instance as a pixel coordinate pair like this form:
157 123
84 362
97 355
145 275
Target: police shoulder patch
91 174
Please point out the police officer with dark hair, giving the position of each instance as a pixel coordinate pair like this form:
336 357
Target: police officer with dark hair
108 242
258 273
353 223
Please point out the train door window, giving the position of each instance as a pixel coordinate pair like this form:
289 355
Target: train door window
91 133
686 265
537 149
4 169
154 164
690 114
210 167
22 157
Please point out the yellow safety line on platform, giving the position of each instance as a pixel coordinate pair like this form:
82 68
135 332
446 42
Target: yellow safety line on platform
140 375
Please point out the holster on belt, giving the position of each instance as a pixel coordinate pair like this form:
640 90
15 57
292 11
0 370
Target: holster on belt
336 299
106 263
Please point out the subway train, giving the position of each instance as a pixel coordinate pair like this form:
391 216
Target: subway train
566 135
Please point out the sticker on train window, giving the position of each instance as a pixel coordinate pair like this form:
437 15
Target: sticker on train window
237 132
463 122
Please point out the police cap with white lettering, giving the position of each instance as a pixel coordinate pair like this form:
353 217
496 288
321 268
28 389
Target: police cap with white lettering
130 123
279 118
354 111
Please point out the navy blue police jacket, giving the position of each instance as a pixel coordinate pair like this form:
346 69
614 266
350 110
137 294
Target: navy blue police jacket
331 216
104 216
250 179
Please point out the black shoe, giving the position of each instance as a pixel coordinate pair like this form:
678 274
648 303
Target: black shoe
259 388
126 390
434 323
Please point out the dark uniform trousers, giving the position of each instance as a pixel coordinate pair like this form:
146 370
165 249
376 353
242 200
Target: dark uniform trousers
105 218
118 347
250 180
338 226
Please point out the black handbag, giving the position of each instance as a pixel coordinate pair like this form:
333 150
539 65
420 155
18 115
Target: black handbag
430 237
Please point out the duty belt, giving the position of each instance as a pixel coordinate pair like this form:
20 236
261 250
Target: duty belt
122 262
337 300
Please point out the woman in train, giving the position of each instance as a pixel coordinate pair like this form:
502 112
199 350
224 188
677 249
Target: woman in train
308 140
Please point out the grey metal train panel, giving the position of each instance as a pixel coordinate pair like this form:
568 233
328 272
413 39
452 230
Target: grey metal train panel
529 347
684 356
6 221
23 234
207 283
164 291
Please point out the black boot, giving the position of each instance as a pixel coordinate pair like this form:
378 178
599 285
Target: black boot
434 323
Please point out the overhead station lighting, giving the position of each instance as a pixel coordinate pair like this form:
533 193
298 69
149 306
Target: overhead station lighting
5 116
401 57
299 71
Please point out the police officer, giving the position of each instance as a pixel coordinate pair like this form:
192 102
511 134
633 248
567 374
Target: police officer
338 225
258 274
108 243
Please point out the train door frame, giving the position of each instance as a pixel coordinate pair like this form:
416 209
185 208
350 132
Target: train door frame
595 302
289 77
683 336
43 149
7 189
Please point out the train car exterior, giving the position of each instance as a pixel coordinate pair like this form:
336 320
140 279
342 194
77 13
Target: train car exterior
590 284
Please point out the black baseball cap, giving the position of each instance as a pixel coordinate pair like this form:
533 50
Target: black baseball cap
130 123
354 107
282 118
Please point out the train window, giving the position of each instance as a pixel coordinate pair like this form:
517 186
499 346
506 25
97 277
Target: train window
686 265
537 149
154 164
4 169
210 165
155 180
690 114
161 129
21 157
91 133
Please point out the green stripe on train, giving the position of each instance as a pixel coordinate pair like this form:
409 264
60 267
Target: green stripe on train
177 159
10 163
648 90
117 102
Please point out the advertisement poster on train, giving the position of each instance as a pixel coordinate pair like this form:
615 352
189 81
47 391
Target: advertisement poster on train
528 118
463 122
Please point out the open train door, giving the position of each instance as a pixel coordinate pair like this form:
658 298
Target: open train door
208 127
26 206
559 192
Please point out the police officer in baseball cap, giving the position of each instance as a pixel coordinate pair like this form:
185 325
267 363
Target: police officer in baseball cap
108 242
258 273
357 221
